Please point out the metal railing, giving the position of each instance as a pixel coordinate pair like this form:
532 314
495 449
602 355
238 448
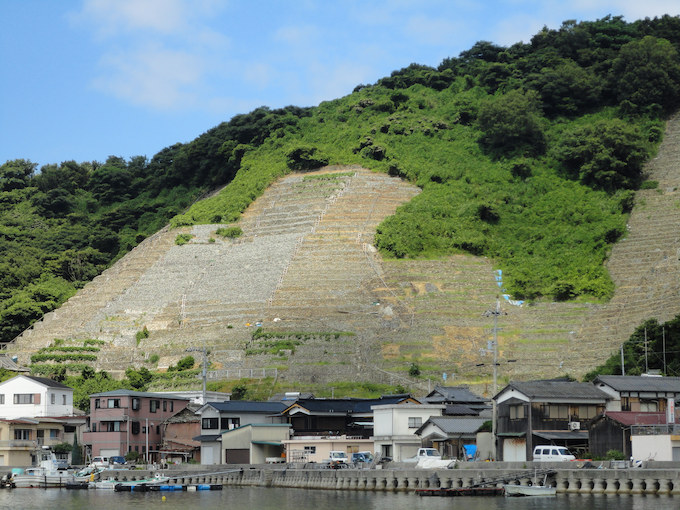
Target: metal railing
655 430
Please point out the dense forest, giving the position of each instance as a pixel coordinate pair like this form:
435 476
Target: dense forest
528 154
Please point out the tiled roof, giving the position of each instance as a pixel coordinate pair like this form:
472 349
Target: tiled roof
453 394
628 383
348 405
248 406
560 389
634 418
456 424
132 393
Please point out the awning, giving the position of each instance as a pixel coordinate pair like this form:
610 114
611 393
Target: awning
574 435
207 438
267 443
511 434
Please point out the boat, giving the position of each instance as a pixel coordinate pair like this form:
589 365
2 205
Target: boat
47 473
529 490
535 489
129 485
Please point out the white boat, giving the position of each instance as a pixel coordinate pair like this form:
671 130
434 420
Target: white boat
529 490
46 474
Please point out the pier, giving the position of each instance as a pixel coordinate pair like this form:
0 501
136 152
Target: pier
567 480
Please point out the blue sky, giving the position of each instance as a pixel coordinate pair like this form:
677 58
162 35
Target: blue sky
86 79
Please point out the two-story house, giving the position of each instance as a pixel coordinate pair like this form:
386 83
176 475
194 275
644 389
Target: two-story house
122 421
35 412
545 412
218 417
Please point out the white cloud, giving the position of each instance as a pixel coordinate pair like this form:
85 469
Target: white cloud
154 77
432 31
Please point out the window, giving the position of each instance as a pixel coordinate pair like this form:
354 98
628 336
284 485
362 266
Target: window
135 427
23 398
414 422
210 423
135 403
112 426
517 412
555 412
63 399
94 427
97 403
2 398
587 412
114 403
310 449
158 429
53 399
154 405
649 406
172 406
54 433
22 434
165 405
229 423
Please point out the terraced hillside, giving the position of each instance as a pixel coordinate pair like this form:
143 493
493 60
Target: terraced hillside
306 272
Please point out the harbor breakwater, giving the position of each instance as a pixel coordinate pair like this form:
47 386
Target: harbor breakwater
646 481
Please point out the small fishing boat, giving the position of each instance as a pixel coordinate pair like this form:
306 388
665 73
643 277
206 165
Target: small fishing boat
47 473
529 490
140 485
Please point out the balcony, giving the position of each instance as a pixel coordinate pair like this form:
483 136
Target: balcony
19 443
655 430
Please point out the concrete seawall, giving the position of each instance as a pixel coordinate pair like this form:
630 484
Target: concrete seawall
647 481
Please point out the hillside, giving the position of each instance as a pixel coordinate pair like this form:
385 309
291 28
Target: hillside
331 309
377 229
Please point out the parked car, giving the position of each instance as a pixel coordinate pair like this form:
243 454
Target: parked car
338 459
550 453
100 462
424 453
117 460
360 457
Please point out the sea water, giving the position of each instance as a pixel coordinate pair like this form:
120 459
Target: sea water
258 498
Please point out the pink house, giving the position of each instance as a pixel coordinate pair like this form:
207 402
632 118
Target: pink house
122 421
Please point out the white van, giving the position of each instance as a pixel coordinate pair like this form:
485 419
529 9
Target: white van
548 453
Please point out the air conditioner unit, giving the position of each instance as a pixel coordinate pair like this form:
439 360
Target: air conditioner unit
574 425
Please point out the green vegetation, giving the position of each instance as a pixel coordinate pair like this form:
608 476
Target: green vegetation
141 335
183 239
526 154
229 232
652 346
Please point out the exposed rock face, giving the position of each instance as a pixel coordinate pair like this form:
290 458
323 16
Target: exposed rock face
306 271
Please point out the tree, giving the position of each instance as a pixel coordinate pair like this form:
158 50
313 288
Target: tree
647 73
607 154
16 174
511 124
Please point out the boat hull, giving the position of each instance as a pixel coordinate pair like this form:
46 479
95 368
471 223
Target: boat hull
529 490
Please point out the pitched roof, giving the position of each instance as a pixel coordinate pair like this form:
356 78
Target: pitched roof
348 405
453 394
455 424
635 418
131 393
459 410
628 383
248 406
48 382
557 389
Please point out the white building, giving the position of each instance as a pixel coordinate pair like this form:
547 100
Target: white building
394 427
26 396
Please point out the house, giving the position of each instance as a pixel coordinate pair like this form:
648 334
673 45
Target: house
460 398
217 417
612 431
545 412
637 394
25 396
339 416
178 433
35 412
394 427
451 434
122 421
254 443
655 442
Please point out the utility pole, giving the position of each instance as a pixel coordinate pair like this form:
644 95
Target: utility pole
623 368
494 411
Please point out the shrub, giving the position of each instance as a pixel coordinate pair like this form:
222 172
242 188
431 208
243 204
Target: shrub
144 333
183 239
229 232
305 158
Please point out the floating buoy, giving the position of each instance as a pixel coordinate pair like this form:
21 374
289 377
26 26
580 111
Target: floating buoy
163 498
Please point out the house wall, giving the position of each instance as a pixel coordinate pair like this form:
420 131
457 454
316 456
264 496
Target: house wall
317 449
246 438
654 447
393 435
605 435
129 437
42 406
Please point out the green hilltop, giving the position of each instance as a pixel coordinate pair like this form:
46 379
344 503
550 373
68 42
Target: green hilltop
528 154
